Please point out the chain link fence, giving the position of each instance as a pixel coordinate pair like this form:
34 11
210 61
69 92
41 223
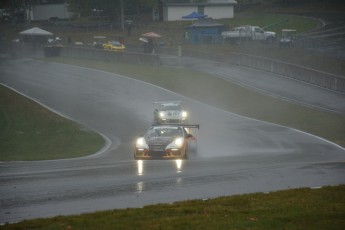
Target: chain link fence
325 47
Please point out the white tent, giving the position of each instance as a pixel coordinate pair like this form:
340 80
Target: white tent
36 32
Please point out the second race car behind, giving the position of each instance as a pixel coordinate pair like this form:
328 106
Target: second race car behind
170 112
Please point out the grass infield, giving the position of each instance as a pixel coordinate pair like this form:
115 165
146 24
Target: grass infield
30 132
305 208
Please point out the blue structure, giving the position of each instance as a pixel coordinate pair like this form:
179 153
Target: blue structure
194 15
204 31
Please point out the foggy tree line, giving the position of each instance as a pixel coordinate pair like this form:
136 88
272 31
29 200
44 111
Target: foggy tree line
110 7
85 7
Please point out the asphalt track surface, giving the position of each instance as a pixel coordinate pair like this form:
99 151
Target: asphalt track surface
236 154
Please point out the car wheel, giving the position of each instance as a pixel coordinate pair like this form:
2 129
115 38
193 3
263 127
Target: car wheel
135 157
186 152
155 121
192 149
270 40
185 155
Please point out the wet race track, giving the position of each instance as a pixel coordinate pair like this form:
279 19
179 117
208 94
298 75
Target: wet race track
235 154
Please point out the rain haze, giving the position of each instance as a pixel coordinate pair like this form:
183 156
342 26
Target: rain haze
257 88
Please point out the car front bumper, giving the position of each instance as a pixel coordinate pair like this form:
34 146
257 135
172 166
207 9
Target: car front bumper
168 154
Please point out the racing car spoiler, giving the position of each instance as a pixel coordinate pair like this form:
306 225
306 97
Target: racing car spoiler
195 126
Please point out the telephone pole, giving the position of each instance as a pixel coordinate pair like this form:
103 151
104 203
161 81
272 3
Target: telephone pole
122 15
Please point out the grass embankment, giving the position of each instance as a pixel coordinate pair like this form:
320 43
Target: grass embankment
29 132
230 97
293 209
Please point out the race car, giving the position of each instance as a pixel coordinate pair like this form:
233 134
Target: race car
168 141
113 45
170 112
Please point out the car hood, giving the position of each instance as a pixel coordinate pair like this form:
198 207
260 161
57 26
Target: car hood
160 141
172 113
270 33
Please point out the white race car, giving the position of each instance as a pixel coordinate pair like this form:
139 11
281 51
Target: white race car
170 112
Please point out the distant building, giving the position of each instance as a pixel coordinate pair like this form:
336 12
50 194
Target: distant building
49 9
204 31
216 9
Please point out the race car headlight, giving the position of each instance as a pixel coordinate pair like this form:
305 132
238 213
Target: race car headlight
184 114
161 114
141 142
175 145
178 142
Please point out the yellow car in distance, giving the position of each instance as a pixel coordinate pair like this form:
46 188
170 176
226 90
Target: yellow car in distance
113 45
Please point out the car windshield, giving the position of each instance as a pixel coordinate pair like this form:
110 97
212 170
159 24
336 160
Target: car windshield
164 132
171 107
115 43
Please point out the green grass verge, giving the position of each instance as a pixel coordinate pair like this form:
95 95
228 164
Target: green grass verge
305 208
229 97
29 132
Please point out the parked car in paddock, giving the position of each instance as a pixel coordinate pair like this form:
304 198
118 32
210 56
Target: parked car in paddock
168 141
288 37
169 112
99 41
114 45
251 33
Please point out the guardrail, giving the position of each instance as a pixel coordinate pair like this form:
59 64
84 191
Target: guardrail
111 56
312 76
